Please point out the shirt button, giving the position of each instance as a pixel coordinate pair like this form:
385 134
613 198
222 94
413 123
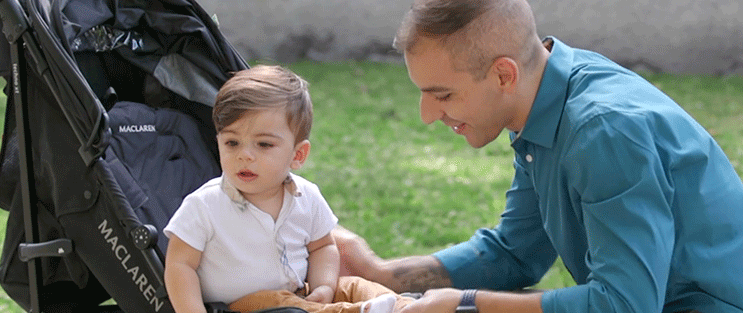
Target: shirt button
529 158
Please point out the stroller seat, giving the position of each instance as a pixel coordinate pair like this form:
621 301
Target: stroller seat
157 157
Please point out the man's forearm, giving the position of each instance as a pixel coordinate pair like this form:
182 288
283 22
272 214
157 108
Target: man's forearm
409 274
413 274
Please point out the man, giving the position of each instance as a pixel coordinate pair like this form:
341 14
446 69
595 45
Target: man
611 175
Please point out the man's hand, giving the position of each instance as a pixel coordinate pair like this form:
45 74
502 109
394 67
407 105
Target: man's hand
436 301
321 294
356 255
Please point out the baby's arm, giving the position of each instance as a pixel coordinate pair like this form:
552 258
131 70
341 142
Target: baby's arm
323 269
181 281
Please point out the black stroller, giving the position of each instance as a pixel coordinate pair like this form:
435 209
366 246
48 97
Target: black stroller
108 127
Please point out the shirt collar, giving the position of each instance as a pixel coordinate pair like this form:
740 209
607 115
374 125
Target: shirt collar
544 118
289 185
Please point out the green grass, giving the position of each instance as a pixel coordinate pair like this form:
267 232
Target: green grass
410 188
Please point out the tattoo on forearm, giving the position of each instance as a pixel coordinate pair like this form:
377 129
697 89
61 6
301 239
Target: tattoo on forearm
419 275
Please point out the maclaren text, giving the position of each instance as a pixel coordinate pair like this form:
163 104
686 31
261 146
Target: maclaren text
123 255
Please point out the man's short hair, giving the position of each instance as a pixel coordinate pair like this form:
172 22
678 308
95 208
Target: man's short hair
265 87
474 32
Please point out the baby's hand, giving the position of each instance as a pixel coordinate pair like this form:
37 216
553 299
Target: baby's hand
321 294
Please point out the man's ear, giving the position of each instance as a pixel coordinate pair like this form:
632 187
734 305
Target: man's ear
301 151
507 73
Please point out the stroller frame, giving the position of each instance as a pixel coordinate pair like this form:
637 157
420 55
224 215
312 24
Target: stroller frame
18 35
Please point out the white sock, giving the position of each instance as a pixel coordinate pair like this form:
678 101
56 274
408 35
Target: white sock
382 304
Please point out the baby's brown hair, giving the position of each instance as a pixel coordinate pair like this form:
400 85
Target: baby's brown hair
265 87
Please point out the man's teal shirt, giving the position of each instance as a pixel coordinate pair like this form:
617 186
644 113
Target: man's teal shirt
638 200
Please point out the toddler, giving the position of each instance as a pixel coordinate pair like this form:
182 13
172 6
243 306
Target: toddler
259 235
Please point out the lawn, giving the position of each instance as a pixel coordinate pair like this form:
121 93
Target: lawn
410 188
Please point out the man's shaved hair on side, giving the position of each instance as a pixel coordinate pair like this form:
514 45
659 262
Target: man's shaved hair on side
474 32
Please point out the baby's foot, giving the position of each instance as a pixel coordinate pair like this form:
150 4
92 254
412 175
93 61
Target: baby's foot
381 304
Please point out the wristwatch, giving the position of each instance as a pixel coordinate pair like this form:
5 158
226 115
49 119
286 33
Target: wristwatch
467 304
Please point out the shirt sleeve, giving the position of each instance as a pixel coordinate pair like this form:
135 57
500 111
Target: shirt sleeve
323 219
513 255
615 166
191 223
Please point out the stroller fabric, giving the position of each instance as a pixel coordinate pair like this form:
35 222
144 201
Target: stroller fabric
164 160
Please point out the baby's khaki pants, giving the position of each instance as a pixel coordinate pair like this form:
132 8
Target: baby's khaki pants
349 295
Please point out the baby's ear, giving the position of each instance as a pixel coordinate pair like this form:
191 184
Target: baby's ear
301 151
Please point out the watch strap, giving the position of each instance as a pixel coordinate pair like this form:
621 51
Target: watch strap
467 304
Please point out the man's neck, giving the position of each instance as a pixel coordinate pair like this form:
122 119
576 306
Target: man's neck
532 81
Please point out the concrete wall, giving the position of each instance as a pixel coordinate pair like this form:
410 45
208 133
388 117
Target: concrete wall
677 36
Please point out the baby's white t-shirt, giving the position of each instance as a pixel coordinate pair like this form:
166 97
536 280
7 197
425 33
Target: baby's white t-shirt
243 249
